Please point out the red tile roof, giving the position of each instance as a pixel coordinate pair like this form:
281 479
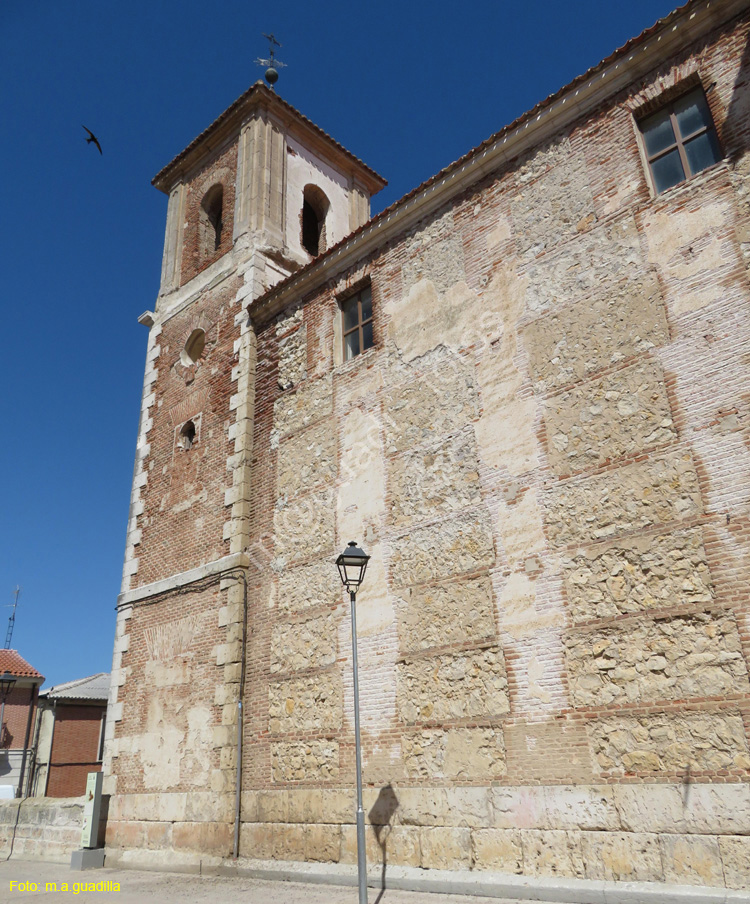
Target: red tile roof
11 662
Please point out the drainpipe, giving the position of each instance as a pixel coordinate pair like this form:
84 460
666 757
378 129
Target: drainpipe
242 575
32 700
34 767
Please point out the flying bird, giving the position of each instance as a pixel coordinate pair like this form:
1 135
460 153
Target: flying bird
93 138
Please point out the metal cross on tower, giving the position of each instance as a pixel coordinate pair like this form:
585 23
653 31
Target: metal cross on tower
272 64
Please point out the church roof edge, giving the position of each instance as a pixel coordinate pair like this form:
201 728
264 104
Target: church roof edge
303 280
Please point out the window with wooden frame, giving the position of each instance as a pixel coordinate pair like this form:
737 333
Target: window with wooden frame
679 140
356 313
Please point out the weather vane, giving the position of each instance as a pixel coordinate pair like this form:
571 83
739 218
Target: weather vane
271 64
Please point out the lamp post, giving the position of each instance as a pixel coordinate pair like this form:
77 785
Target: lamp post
352 564
7 683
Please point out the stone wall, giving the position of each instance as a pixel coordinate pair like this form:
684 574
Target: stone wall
41 828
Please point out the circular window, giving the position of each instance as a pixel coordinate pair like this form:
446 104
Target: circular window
193 347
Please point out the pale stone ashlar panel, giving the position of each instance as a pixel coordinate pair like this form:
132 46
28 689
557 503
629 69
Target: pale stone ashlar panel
293 358
661 743
469 685
302 761
305 645
307 459
686 656
306 704
307 586
434 481
617 415
557 204
435 252
429 404
567 345
304 528
455 753
297 410
460 545
638 574
587 266
458 612
636 496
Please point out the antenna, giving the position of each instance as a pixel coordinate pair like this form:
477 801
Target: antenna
12 619
271 64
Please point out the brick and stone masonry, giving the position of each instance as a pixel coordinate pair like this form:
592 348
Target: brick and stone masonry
546 453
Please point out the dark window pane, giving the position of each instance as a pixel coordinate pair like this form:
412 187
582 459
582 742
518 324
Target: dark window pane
351 317
667 171
367 341
702 151
692 113
657 133
366 296
351 345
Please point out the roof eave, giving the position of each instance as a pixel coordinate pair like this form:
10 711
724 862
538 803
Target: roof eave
625 66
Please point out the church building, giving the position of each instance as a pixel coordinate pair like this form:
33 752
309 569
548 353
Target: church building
524 390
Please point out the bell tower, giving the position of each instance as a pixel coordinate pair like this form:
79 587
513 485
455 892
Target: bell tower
254 198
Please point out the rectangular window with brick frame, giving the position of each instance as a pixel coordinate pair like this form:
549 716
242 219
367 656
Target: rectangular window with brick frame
356 313
679 140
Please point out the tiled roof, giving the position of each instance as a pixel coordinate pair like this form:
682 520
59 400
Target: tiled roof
535 111
95 687
260 89
11 662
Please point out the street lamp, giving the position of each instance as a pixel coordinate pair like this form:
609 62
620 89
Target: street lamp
7 683
352 564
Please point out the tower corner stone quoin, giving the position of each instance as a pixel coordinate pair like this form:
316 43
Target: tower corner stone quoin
545 450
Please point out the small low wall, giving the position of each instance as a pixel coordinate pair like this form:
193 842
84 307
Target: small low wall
41 828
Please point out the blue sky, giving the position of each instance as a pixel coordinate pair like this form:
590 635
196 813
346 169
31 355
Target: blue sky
407 86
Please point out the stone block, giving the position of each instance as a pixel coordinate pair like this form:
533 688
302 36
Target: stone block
590 807
691 860
306 704
660 743
301 761
307 586
735 857
685 808
686 656
557 203
307 459
303 645
634 497
296 410
638 574
434 481
552 853
462 807
622 857
465 685
293 358
304 527
206 837
456 753
429 404
572 342
521 807
459 545
498 849
434 251
456 612
604 261
272 806
373 849
445 848
619 414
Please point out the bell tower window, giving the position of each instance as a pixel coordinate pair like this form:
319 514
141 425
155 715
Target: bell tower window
315 207
187 435
211 223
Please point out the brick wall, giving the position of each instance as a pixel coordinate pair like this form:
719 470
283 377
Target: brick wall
16 716
75 749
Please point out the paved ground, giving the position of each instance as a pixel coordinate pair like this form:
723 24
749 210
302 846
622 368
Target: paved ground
173 888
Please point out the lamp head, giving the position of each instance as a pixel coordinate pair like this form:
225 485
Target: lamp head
352 564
